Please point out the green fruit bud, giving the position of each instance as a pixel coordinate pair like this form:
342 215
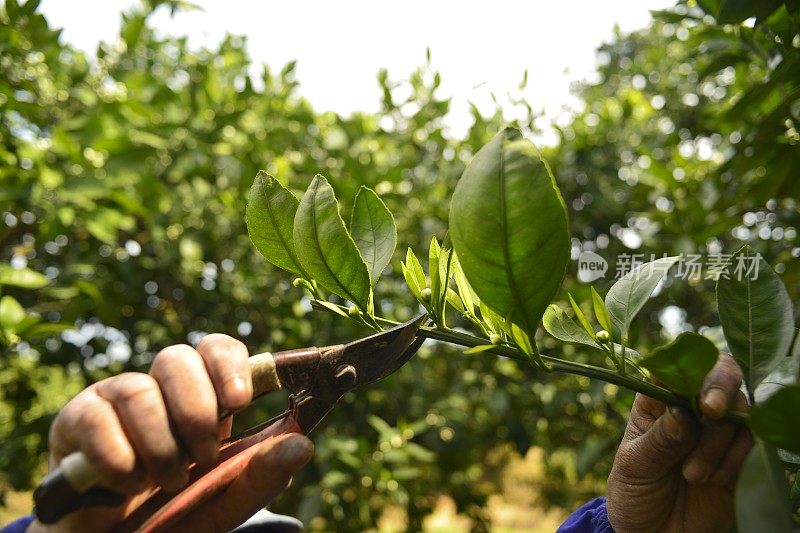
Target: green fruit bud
494 338
602 336
426 293
354 311
298 282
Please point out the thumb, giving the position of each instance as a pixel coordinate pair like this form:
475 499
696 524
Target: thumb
267 475
666 444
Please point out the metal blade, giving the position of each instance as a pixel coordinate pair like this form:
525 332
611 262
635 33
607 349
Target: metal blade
379 355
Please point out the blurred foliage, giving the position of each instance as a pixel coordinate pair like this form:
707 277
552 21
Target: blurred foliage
124 178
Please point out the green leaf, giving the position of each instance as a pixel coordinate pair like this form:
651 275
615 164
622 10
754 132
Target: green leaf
373 230
411 281
628 295
11 313
46 329
22 277
600 311
761 499
270 213
775 420
445 273
478 349
561 326
414 276
582 320
464 290
454 301
683 364
522 340
736 11
331 307
508 224
784 375
495 322
756 315
434 272
325 248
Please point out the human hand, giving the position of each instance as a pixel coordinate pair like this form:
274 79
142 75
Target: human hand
141 430
675 472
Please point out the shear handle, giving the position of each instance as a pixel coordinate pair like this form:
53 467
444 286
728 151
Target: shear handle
74 483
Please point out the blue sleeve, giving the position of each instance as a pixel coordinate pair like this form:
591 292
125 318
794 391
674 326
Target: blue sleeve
19 525
590 517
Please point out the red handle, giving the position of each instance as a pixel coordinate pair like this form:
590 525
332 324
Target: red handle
162 511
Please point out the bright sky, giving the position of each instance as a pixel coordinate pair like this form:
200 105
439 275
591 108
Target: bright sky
479 47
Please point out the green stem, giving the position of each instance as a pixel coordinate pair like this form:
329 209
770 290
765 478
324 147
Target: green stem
565 367
573 367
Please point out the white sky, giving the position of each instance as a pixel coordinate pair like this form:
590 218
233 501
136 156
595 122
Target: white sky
479 47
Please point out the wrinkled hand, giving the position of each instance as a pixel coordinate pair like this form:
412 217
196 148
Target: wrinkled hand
674 472
123 425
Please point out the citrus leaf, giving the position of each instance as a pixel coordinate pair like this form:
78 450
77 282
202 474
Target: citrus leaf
454 301
331 307
761 499
522 339
325 248
562 327
756 315
600 311
478 349
411 281
628 295
373 230
508 224
22 277
582 320
270 213
11 313
772 419
464 290
683 364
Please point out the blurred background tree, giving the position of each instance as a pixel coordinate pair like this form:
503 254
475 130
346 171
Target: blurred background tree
124 179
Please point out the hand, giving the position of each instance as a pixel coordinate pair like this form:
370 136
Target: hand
674 472
123 426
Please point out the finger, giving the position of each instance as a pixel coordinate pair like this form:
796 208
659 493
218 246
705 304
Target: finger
140 407
715 439
644 413
227 362
656 452
728 471
225 426
720 387
267 475
89 423
190 399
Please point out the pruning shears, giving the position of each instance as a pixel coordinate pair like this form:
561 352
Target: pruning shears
316 379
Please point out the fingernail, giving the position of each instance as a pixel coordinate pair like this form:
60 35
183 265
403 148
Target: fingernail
674 426
236 391
695 472
297 450
716 402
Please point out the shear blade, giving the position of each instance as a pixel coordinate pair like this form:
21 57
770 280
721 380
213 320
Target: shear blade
379 355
